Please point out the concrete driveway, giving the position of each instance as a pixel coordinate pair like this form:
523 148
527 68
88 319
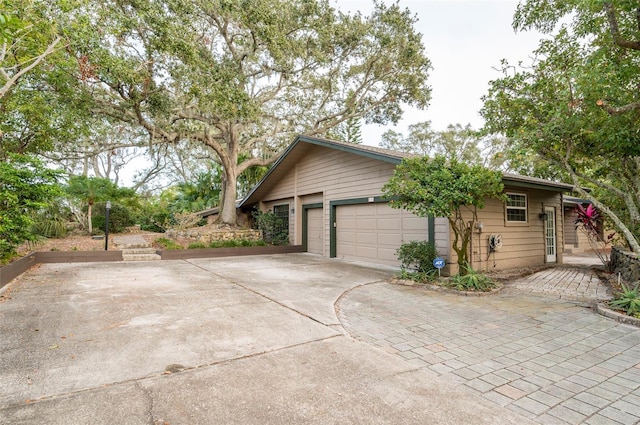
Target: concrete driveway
230 341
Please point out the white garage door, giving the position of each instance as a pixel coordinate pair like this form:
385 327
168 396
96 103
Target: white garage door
373 232
315 231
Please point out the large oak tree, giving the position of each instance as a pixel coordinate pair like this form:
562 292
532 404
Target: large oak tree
577 105
243 77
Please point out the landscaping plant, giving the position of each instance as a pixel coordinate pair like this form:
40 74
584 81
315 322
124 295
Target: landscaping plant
416 260
628 300
471 280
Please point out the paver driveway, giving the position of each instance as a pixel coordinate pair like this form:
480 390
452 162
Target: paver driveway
548 359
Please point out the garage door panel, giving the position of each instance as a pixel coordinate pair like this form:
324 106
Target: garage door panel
394 224
370 253
387 255
413 223
373 232
366 224
389 240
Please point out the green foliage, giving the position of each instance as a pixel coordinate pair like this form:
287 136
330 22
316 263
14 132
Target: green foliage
51 221
471 280
119 217
196 245
84 192
26 187
456 142
167 243
444 188
315 68
273 228
628 300
236 243
417 256
576 105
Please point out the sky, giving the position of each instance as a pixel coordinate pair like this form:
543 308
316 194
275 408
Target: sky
465 41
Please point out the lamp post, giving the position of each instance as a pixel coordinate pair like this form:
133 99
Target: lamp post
106 227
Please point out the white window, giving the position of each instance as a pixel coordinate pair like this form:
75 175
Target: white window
516 208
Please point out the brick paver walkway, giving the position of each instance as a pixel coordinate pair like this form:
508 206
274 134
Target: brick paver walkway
546 358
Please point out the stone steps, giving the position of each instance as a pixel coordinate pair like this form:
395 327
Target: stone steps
136 248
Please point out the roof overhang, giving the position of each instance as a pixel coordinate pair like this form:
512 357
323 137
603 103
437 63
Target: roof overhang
302 144
517 180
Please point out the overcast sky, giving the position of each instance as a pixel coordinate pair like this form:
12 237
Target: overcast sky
465 40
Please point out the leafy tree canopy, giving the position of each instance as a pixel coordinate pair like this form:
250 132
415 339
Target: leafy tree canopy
243 76
442 187
458 142
577 105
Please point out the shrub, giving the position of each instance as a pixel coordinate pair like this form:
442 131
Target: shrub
196 245
417 256
471 280
119 217
167 243
274 229
236 243
628 300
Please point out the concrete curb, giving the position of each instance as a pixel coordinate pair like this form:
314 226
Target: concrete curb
603 310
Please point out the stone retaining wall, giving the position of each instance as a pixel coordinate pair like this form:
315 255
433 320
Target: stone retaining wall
626 263
209 235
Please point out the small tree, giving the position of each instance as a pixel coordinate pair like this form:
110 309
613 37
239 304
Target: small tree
589 222
441 188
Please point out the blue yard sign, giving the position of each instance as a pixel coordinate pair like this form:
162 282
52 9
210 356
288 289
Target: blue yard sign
438 263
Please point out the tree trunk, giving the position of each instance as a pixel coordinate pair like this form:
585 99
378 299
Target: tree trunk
89 214
228 199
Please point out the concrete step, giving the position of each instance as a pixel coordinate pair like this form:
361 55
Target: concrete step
140 257
140 250
130 242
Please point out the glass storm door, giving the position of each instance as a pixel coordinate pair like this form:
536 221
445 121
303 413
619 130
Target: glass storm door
550 234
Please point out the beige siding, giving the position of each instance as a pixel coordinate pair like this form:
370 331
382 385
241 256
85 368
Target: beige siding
522 244
325 175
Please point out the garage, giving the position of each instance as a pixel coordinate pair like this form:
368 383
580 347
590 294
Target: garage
371 232
315 231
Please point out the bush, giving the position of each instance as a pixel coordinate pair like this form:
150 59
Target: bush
236 243
196 245
119 217
471 280
417 256
274 229
167 243
51 222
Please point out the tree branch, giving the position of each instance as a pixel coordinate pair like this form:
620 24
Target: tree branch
13 80
615 31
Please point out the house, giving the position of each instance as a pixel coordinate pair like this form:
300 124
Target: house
330 193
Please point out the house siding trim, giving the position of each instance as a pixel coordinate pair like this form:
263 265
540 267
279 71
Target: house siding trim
305 224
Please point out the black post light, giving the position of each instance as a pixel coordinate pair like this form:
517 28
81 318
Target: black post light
106 227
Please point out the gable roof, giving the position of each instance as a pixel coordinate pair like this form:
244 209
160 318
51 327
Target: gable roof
302 144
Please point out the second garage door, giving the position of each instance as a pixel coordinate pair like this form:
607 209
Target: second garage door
373 232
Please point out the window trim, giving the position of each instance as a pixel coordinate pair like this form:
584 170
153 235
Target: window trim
525 208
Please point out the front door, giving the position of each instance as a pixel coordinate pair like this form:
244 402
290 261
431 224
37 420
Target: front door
550 234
